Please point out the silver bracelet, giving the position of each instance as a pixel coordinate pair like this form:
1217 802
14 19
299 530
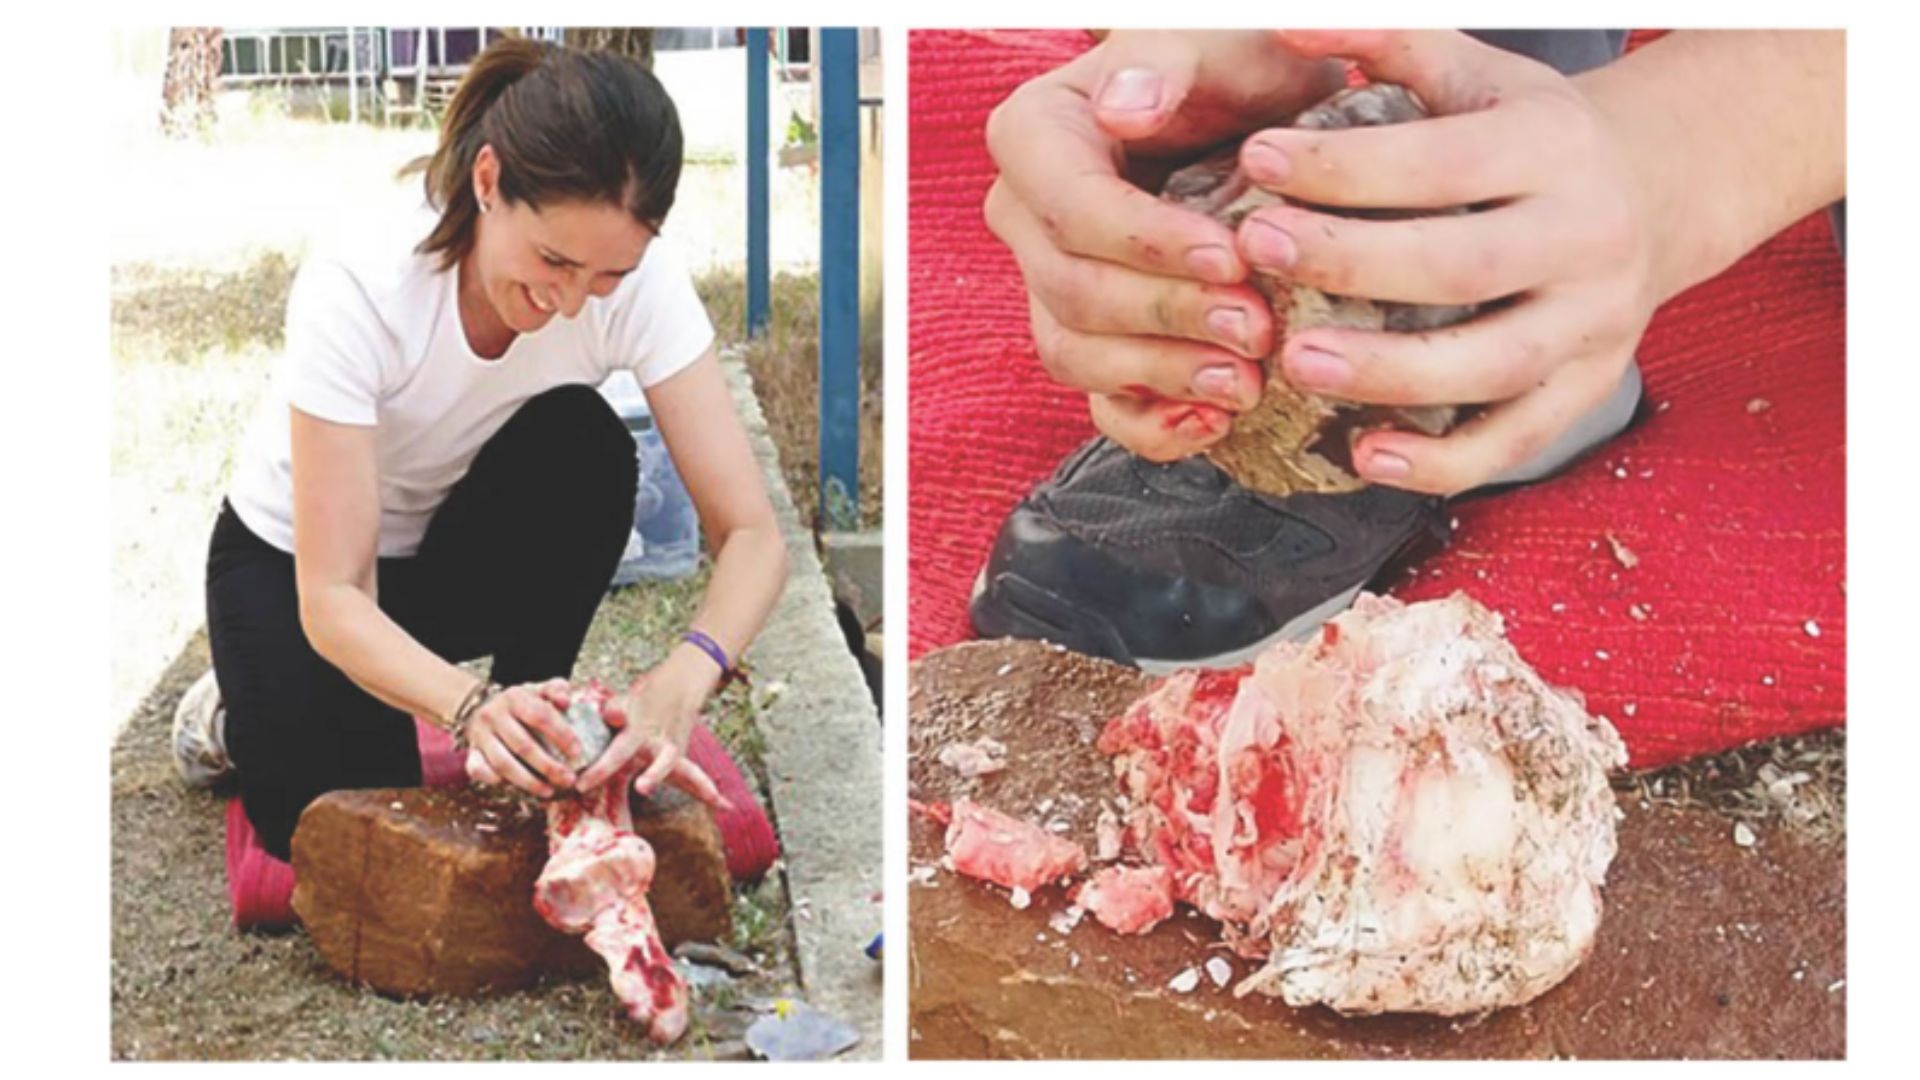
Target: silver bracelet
482 692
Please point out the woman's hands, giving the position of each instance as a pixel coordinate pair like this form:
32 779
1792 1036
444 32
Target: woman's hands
1564 232
1596 199
501 739
1142 304
652 722
502 747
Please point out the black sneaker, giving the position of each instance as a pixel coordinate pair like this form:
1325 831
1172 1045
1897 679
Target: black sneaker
1169 566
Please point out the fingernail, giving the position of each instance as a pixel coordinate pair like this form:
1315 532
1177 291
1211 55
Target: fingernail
1218 382
1266 162
1228 325
1387 466
1131 90
1269 246
1211 262
1317 369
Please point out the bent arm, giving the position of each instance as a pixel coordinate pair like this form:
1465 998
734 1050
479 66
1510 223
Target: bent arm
336 528
1736 134
695 412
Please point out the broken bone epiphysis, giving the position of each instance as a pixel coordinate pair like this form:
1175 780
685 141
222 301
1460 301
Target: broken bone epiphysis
1293 440
1398 816
595 883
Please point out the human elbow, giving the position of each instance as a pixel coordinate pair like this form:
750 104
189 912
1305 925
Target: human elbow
320 619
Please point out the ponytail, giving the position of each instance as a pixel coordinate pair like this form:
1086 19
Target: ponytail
565 124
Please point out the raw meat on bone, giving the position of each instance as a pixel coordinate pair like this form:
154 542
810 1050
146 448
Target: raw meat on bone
1018 855
1398 816
595 883
1128 899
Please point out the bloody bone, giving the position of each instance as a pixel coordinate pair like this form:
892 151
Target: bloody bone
988 980
596 882
1293 440
1018 855
1128 899
1397 816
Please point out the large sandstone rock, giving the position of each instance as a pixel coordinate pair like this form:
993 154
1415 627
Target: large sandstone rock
1697 955
428 891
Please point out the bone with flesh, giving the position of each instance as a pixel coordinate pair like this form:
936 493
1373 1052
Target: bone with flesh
595 883
1397 816
1293 440
1128 899
1014 854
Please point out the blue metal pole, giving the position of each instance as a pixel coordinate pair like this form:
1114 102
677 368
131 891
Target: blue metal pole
759 282
839 74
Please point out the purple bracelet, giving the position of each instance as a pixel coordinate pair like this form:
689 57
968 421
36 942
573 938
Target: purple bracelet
713 650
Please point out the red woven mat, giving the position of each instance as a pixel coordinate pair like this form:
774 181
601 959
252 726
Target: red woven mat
1689 579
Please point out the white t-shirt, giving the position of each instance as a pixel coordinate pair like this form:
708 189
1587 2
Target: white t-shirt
374 338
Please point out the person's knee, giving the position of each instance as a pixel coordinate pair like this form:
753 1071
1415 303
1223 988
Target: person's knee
589 450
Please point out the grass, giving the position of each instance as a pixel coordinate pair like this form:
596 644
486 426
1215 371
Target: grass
784 362
191 354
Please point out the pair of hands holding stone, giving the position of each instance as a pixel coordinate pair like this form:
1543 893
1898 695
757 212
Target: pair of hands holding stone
522 736
1146 306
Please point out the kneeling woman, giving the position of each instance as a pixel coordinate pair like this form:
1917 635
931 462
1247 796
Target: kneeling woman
435 478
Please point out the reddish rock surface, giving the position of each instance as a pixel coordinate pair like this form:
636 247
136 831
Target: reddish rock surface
1706 949
426 891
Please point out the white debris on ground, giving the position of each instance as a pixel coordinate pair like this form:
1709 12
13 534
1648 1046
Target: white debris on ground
1220 971
1064 920
977 758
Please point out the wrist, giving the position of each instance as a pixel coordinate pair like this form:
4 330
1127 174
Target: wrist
686 674
697 667
460 720
1654 159
1732 136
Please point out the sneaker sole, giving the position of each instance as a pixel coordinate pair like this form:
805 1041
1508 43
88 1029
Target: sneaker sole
1298 628
199 758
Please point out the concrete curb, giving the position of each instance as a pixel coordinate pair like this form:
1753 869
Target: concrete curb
823 756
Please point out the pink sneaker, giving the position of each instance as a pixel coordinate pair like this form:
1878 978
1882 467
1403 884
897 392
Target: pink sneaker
442 765
259 886
745 830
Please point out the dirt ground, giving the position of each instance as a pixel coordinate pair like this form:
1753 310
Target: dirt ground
185 985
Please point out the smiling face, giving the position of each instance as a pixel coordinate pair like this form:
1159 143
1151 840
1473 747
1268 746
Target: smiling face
528 265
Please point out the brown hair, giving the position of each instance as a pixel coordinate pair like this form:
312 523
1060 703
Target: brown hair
566 124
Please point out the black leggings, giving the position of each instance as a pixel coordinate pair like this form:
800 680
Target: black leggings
513 566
